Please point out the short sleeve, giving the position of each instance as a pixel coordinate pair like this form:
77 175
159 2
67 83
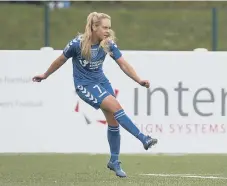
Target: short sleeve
70 48
115 52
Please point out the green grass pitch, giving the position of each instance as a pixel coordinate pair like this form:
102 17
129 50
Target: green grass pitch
90 170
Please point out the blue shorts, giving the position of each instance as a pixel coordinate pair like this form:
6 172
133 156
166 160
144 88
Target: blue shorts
94 93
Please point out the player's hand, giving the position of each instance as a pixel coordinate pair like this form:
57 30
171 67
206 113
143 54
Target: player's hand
145 83
39 78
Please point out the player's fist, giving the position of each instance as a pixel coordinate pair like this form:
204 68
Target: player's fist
145 83
39 78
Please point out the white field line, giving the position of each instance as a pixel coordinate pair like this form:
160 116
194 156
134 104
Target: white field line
186 176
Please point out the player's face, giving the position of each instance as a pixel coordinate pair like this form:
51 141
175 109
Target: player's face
103 29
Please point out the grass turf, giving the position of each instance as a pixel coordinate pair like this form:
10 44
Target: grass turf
87 170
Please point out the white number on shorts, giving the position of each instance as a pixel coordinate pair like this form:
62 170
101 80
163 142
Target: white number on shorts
100 91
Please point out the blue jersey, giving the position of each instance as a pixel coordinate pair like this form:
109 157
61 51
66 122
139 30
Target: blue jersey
85 72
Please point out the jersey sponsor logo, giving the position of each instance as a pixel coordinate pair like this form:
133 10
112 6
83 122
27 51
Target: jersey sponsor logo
92 64
83 62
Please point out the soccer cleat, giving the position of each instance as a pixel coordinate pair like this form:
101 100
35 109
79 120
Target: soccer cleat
149 142
115 166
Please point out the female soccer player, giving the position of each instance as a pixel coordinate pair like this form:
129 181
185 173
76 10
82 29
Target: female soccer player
88 51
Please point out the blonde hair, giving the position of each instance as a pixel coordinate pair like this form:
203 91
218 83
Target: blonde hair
95 18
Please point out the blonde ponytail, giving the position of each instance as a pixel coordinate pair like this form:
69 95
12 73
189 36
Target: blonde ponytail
86 37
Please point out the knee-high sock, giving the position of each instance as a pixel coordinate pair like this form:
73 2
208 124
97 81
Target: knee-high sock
114 140
128 125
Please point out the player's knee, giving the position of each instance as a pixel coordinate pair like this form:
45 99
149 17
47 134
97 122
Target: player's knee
117 107
114 107
110 104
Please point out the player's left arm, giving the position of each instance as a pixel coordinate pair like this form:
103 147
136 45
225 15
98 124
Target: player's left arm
126 67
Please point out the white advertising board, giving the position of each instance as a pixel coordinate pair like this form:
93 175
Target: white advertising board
185 107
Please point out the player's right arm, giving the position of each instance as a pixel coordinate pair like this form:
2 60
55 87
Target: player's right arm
57 63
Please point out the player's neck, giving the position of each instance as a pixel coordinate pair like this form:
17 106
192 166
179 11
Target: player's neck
94 40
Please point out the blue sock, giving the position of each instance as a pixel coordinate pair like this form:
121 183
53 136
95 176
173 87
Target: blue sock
114 140
128 125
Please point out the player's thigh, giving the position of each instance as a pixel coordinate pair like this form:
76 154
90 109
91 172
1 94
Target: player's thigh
110 104
93 94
